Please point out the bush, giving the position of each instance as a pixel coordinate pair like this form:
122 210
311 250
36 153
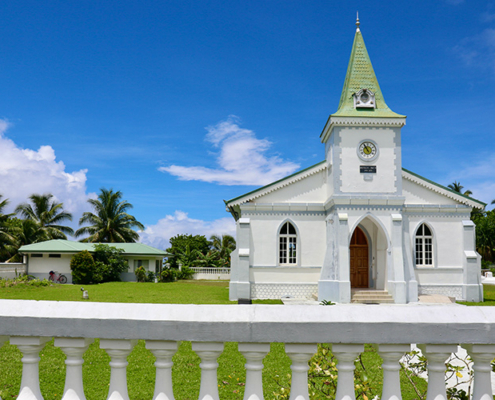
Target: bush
168 275
111 263
185 273
82 266
150 276
140 274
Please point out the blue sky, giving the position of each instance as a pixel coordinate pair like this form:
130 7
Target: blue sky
132 95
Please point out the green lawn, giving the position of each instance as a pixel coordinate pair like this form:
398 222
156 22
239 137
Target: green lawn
186 371
181 292
488 296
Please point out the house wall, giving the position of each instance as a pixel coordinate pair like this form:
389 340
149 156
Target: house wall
39 267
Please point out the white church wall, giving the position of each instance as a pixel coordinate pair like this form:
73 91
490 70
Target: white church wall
308 190
352 181
447 238
416 194
311 238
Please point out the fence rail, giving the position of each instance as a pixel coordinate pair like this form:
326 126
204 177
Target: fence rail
30 324
211 271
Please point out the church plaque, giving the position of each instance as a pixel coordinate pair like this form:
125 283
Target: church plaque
367 169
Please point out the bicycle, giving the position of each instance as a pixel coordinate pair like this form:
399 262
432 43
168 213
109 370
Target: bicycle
57 278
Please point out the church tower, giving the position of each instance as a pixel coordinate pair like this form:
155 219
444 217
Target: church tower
364 239
362 138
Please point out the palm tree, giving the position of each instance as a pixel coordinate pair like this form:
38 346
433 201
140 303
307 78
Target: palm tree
208 260
7 239
223 246
457 187
47 214
110 222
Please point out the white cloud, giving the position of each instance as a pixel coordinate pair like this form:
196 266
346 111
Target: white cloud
25 171
242 158
479 49
158 235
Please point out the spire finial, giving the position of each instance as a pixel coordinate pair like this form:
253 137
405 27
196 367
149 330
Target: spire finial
357 21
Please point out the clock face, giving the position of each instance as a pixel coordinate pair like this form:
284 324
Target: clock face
367 150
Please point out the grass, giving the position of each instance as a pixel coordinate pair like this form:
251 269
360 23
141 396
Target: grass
488 297
181 292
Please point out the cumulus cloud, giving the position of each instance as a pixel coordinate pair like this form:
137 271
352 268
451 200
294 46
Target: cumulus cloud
241 157
25 171
158 235
479 49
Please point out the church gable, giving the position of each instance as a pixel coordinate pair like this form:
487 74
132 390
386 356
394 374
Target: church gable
306 186
419 190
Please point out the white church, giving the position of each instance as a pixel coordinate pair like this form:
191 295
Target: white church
356 221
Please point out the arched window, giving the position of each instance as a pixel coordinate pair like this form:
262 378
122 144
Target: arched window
424 246
287 244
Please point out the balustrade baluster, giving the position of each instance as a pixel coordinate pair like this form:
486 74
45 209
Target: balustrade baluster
482 355
30 348
346 354
300 354
118 350
74 349
208 352
163 351
437 355
391 355
254 354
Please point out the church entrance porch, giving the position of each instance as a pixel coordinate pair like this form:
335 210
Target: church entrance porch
359 259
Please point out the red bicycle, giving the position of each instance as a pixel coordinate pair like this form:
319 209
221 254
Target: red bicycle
57 278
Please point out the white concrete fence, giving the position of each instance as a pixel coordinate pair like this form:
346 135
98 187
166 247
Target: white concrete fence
30 324
211 274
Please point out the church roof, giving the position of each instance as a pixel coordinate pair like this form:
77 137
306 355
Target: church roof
68 246
360 75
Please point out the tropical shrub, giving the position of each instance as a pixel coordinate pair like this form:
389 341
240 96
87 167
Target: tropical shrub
150 276
111 263
82 266
140 274
168 275
185 273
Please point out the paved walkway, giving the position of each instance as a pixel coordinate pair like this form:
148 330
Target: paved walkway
424 299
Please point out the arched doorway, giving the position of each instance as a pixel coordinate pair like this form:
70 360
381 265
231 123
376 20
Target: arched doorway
359 259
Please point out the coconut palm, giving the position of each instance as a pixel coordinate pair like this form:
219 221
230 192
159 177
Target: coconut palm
47 214
457 187
110 222
208 260
224 245
7 239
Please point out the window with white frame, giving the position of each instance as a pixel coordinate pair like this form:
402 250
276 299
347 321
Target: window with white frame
287 253
424 246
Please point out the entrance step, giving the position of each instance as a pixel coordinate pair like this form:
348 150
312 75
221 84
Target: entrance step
371 297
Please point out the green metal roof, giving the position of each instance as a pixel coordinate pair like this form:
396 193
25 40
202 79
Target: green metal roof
360 75
67 246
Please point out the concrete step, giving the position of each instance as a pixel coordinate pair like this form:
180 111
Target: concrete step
371 297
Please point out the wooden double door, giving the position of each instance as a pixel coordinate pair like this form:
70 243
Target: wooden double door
359 253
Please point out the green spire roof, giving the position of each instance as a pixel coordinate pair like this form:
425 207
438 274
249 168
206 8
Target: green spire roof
360 75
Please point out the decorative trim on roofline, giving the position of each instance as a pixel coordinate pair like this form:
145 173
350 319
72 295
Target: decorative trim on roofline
435 187
334 121
278 184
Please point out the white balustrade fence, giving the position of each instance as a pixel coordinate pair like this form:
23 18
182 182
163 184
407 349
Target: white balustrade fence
438 330
211 273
